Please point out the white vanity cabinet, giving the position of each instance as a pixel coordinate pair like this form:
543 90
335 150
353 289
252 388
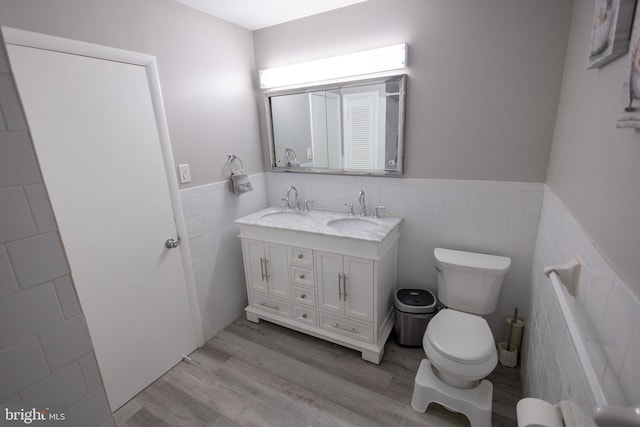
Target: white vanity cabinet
266 267
328 284
345 285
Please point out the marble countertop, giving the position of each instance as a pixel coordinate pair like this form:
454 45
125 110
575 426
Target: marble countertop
317 222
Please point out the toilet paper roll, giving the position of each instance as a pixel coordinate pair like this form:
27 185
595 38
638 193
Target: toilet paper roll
537 413
516 335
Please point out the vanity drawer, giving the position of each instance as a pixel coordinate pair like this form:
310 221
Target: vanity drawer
271 305
349 328
301 256
302 276
304 296
305 315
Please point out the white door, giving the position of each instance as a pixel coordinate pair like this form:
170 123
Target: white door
97 141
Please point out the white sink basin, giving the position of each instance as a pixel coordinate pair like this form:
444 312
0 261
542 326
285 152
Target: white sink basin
283 216
352 224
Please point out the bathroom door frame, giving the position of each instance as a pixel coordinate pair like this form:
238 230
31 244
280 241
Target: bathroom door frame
75 47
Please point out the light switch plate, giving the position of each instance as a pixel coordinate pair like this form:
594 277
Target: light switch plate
185 173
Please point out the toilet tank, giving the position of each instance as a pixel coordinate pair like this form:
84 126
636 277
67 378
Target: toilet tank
469 281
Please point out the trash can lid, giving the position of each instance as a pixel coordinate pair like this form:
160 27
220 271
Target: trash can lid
419 301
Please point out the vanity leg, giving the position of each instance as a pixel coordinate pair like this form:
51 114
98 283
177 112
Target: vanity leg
373 356
252 317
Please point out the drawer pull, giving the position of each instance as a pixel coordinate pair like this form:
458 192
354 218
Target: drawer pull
303 296
353 330
300 256
302 276
304 316
273 307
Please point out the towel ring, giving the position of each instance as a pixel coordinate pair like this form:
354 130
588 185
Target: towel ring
288 152
231 158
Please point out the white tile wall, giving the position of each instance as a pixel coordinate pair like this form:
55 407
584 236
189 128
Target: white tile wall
45 351
607 313
215 248
485 216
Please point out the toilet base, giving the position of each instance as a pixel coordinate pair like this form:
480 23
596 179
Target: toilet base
474 403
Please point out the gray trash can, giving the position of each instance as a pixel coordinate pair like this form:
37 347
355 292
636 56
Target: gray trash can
413 310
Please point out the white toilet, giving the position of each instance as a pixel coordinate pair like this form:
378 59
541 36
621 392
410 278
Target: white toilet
459 345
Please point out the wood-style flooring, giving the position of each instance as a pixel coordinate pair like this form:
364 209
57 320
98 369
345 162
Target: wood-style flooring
266 375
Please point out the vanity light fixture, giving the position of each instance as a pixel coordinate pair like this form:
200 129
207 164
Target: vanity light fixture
353 64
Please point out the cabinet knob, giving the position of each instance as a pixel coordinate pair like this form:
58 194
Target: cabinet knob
303 296
300 256
304 316
302 276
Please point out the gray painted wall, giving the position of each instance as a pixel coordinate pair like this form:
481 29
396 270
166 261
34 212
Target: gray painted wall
594 167
205 66
484 77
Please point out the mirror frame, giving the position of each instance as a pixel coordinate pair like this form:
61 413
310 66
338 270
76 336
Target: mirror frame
352 83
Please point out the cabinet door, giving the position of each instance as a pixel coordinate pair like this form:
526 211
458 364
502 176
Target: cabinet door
358 285
329 282
254 265
277 270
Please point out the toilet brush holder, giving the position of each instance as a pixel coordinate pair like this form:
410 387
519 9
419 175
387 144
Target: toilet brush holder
507 354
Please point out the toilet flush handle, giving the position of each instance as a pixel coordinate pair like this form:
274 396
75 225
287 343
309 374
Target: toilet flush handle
438 269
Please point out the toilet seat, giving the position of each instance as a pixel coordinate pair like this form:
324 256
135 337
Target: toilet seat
461 337
460 346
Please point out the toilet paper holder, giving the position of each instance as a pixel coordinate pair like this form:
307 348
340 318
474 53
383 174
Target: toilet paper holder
617 416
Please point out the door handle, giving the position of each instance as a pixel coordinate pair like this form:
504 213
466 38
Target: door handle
172 243
339 286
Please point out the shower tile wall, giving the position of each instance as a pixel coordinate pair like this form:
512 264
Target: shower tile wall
607 313
46 355
215 248
486 216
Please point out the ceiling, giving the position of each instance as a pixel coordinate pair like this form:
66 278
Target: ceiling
256 14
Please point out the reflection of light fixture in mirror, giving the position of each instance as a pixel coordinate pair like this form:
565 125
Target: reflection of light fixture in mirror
353 64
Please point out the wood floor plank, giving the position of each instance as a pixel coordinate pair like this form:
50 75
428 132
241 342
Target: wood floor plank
326 356
332 387
311 408
146 418
244 405
177 406
353 396
266 375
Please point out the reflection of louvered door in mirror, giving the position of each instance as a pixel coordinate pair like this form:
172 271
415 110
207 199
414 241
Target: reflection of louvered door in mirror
361 131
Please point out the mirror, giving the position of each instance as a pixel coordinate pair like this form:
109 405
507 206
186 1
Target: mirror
354 128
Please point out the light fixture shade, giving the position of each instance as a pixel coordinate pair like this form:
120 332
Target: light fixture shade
353 64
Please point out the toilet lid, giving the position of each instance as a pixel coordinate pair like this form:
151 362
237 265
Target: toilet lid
462 337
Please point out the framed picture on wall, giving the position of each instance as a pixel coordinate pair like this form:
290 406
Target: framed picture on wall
629 114
612 20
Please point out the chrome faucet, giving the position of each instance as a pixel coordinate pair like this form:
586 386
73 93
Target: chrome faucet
295 197
363 207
